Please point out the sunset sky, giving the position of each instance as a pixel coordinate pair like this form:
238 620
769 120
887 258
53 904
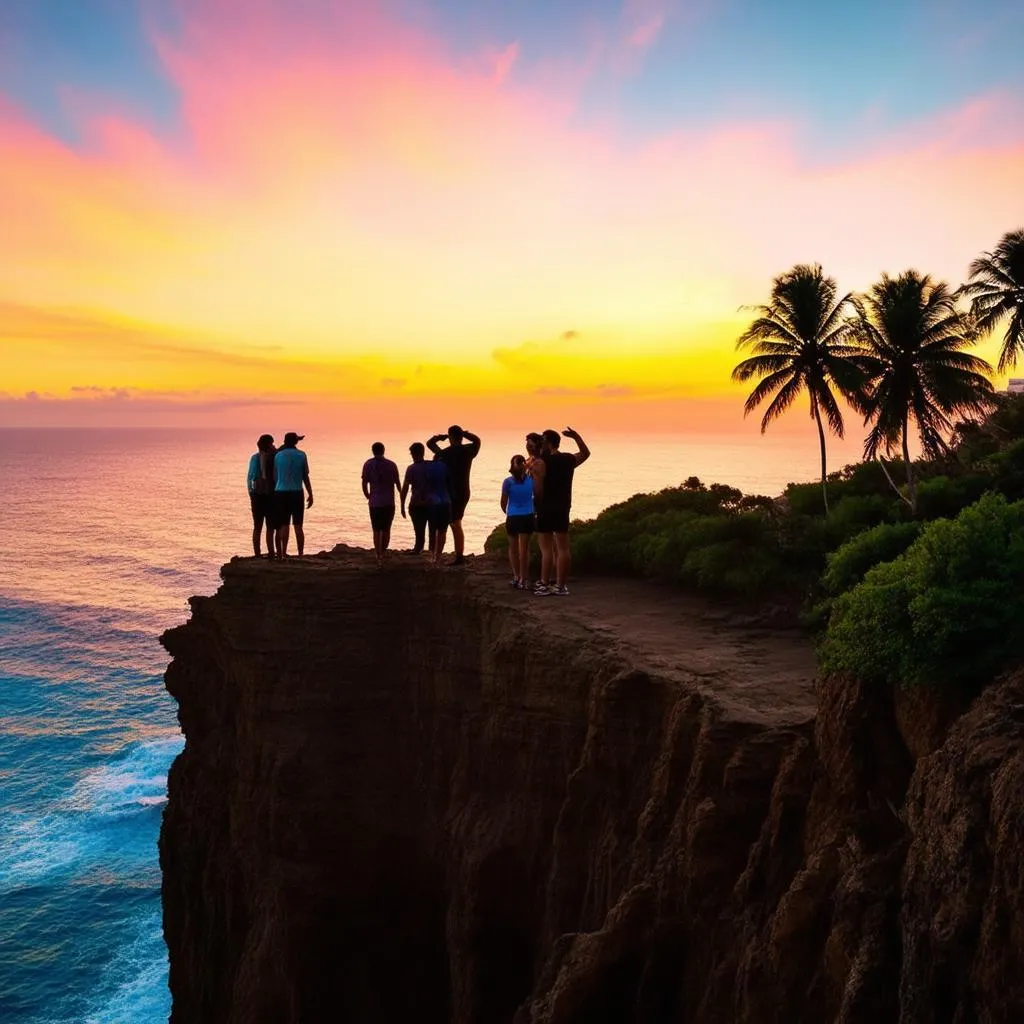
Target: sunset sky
219 212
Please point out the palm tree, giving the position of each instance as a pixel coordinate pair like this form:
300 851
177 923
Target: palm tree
800 342
996 291
913 338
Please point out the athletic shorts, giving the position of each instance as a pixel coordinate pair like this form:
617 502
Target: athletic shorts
439 516
459 503
289 507
553 519
515 525
262 509
382 516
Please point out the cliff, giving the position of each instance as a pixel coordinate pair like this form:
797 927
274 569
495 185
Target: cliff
413 795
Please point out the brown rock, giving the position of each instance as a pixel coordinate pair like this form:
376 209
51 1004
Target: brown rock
412 795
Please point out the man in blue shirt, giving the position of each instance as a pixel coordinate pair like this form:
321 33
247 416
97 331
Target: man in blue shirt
291 472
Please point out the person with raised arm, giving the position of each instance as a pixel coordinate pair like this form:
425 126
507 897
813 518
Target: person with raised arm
552 481
458 456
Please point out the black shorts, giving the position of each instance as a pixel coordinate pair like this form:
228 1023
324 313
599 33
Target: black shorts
382 516
289 507
458 506
553 519
516 525
262 509
439 516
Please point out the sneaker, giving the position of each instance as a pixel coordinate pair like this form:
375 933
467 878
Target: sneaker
542 591
514 583
459 560
524 585
562 591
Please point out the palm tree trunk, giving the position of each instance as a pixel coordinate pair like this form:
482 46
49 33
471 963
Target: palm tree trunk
821 441
911 482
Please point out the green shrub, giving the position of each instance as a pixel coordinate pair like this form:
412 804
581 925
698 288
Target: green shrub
943 497
1006 470
949 611
848 565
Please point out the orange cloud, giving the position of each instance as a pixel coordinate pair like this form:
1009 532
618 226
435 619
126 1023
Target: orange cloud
345 205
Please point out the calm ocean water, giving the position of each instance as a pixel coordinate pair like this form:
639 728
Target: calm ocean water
106 535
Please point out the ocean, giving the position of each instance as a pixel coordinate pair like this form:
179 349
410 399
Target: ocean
106 534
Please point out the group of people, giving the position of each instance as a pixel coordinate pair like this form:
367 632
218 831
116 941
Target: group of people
536 497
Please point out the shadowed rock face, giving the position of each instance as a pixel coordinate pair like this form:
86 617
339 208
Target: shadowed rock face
414 796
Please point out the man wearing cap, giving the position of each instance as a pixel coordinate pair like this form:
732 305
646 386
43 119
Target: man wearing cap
291 472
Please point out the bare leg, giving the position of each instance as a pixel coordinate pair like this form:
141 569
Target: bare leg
271 540
524 556
513 556
458 538
385 540
547 557
300 538
562 559
282 540
257 531
439 538
377 545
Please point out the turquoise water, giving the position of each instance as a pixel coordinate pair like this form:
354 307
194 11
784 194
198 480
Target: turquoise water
106 535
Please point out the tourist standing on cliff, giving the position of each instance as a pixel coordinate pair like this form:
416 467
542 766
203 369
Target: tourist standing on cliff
291 473
534 444
416 476
439 503
458 457
259 482
552 481
380 483
517 504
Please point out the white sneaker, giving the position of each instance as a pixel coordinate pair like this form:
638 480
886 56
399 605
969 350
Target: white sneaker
542 591
562 591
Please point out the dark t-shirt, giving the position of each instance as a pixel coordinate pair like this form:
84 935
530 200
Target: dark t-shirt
438 483
417 475
458 458
559 469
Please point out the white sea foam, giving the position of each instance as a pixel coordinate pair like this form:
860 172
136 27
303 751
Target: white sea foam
73 835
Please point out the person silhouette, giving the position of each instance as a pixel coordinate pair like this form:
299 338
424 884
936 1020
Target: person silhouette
291 473
415 481
380 482
458 457
259 482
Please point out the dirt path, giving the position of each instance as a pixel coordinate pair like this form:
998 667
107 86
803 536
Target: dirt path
755 673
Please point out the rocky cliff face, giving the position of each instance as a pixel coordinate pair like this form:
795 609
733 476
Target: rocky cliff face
413 795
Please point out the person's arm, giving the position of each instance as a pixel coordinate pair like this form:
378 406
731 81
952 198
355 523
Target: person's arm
504 495
538 471
397 485
250 478
433 445
306 481
584 452
366 483
474 443
403 492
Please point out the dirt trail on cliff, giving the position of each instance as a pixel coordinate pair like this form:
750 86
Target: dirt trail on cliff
755 673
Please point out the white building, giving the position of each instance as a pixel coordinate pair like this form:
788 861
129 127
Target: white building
1015 386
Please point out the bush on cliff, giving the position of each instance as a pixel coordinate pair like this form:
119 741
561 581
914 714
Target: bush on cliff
949 611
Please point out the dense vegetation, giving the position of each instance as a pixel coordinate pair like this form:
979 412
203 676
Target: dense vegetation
915 584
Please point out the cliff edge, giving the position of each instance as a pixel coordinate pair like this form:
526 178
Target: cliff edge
416 795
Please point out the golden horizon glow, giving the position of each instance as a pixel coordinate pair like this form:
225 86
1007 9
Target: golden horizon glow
398 225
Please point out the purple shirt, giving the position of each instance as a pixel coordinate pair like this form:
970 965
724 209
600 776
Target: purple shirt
382 476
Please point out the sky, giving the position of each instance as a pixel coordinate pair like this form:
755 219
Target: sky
319 213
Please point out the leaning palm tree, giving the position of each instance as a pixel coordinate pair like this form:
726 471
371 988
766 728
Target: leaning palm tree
913 339
801 342
996 291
